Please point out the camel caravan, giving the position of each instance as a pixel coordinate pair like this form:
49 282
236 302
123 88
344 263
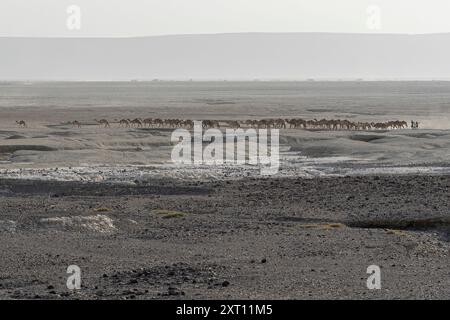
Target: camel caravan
294 123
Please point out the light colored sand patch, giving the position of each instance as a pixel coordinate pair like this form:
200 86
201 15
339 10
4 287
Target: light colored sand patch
399 170
98 223
8 226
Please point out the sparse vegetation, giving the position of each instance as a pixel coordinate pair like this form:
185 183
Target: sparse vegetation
322 226
169 214
396 232
102 209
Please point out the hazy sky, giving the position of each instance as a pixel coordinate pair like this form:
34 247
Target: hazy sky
101 18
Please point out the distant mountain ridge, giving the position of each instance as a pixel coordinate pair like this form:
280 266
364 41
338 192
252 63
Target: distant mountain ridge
244 56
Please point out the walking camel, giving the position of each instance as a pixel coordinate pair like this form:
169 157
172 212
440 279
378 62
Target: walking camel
136 122
124 123
21 124
103 122
76 124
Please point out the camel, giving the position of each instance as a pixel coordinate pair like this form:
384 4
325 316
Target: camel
148 122
103 122
158 122
380 126
279 123
264 123
250 123
172 123
75 124
188 124
124 123
296 123
401 124
21 123
137 122
233 124
215 124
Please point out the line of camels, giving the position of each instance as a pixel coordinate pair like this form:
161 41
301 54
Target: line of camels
294 123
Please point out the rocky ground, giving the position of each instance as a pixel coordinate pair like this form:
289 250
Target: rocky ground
289 238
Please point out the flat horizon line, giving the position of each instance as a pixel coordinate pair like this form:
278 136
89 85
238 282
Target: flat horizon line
229 33
3 81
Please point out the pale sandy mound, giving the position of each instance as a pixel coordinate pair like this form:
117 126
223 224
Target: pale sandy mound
8 226
98 223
